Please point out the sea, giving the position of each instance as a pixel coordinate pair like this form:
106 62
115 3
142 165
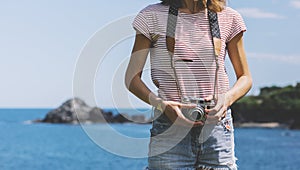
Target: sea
36 146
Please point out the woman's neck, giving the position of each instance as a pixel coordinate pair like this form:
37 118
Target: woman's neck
190 6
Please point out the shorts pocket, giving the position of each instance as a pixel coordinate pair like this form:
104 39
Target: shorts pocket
160 124
158 128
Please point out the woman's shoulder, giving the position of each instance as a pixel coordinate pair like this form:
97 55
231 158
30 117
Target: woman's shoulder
158 7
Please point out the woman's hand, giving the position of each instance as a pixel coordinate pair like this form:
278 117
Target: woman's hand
215 114
173 111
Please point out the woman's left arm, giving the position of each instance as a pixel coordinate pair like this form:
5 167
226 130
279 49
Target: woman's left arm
238 59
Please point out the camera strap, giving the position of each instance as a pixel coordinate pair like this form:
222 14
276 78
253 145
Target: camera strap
215 34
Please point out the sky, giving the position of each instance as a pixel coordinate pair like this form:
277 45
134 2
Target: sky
42 41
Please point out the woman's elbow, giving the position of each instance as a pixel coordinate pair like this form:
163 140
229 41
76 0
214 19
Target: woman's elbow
249 81
131 80
127 81
246 81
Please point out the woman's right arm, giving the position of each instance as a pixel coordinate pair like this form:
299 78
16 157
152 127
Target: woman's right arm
134 71
136 86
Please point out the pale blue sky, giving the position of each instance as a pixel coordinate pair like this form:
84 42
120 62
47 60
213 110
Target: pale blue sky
42 39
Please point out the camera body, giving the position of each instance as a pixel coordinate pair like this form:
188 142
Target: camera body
198 113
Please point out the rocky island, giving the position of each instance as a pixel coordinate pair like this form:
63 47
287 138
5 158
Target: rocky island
76 111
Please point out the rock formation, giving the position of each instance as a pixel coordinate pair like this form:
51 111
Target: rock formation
76 110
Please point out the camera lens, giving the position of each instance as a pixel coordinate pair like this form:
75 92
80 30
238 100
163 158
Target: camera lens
196 114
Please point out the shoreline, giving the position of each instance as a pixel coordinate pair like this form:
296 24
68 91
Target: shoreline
269 125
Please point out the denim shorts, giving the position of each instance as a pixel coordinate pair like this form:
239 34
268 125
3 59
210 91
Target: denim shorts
174 147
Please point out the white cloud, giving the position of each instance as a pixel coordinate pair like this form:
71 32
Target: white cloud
295 4
257 13
292 59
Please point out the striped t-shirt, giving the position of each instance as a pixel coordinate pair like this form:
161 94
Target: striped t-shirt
193 54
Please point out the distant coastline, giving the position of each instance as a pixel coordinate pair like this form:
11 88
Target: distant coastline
269 125
274 107
126 117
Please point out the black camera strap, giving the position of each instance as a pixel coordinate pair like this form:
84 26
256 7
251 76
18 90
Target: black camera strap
215 34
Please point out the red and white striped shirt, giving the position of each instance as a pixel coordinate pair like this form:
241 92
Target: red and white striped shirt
193 44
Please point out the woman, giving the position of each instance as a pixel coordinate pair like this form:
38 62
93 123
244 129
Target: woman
178 142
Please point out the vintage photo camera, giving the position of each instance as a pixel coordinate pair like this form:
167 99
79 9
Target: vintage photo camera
198 113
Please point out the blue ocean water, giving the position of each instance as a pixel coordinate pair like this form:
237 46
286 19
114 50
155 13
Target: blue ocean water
29 146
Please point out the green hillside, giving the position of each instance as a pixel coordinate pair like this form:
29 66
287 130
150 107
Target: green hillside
273 104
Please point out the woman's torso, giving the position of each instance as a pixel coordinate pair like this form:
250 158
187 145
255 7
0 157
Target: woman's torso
196 73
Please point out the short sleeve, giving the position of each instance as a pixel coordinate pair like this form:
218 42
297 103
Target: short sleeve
238 25
140 24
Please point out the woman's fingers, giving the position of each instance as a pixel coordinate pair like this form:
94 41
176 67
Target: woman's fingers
187 106
217 113
174 113
213 115
217 116
214 110
182 120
